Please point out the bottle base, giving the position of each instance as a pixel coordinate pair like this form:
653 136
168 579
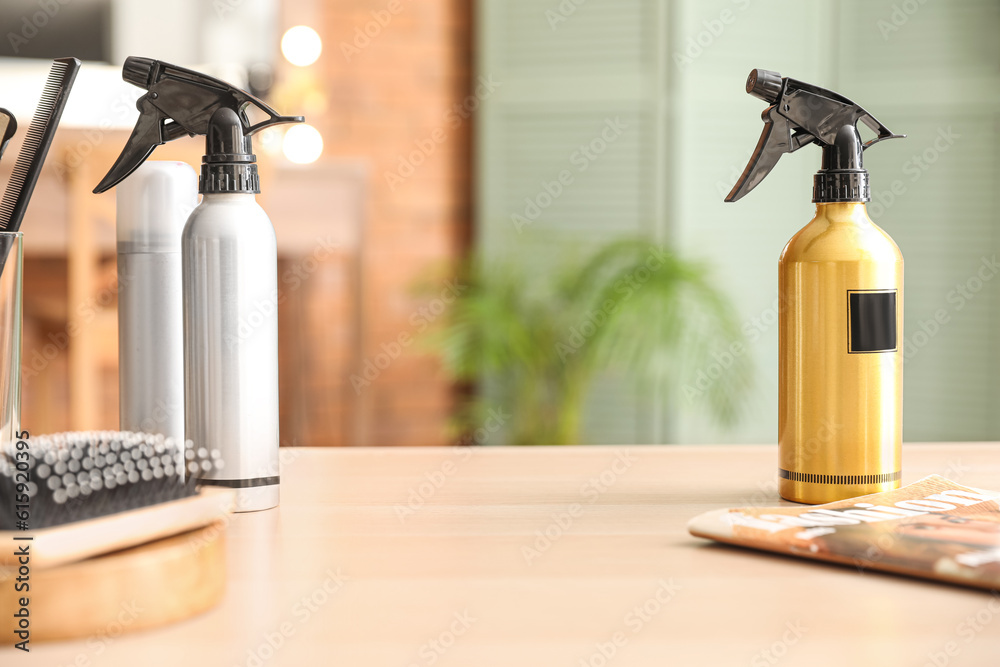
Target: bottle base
817 493
257 498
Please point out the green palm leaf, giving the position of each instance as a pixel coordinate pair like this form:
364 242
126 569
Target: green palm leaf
632 307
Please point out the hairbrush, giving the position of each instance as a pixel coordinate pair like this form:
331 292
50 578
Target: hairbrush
75 495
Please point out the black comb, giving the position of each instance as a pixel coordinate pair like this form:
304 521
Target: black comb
36 143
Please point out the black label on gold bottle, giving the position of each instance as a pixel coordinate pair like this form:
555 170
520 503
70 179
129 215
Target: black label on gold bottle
871 321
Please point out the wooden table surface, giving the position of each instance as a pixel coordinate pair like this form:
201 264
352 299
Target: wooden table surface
549 556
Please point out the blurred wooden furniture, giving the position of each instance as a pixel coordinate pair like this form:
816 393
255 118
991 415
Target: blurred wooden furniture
546 556
70 351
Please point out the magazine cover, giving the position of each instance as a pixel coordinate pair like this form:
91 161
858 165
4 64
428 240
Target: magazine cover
934 528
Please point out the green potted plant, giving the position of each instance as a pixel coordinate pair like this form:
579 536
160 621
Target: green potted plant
533 347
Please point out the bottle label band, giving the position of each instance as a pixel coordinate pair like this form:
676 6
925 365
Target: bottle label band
240 483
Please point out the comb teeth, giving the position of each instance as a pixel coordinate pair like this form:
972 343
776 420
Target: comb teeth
78 476
36 142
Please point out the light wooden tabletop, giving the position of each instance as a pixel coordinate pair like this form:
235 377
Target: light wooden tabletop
549 556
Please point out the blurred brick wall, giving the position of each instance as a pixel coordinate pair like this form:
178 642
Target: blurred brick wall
384 91
391 70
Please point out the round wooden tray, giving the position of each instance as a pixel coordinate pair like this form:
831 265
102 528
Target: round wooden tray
134 589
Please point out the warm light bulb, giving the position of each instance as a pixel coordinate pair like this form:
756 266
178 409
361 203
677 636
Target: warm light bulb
301 45
302 144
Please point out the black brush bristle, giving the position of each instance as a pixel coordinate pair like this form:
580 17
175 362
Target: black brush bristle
36 143
85 475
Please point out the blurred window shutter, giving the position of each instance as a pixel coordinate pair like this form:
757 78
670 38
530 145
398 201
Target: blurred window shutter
580 96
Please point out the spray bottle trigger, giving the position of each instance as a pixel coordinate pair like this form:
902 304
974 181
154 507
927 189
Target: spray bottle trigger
146 135
776 139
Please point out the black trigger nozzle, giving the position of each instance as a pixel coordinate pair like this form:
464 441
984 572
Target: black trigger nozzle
138 71
764 84
181 102
799 114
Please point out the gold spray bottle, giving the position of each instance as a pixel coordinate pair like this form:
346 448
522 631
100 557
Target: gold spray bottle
840 294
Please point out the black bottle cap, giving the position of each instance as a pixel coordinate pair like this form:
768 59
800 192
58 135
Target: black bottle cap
229 165
830 187
842 177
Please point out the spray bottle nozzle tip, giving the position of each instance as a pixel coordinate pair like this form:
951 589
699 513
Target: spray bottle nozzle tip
764 84
137 71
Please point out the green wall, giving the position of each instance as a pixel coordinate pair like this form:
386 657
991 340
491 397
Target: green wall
668 78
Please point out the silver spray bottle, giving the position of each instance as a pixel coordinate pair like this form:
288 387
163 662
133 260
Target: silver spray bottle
229 267
152 208
230 260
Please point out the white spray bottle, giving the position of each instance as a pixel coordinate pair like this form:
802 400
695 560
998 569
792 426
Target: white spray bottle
229 266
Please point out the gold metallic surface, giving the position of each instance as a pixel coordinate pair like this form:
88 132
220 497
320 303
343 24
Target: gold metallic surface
838 413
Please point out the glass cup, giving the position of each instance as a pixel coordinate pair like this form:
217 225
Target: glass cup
10 336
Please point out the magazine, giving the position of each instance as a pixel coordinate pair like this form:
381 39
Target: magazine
934 529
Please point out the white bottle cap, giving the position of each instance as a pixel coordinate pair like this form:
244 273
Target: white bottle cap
153 204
